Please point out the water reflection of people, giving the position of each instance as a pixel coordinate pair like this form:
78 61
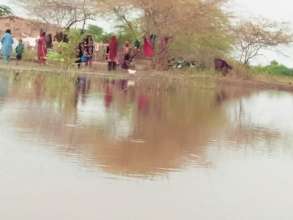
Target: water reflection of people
123 84
143 103
149 131
221 96
108 97
82 89
39 86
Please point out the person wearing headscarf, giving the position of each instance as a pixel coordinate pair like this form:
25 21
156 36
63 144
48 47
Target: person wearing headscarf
113 53
7 42
148 49
42 49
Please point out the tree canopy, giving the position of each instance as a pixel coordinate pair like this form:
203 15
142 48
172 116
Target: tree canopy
65 13
196 27
196 30
5 10
252 37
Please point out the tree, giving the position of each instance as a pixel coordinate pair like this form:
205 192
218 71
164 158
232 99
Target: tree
96 32
5 11
192 27
64 13
130 34
252 37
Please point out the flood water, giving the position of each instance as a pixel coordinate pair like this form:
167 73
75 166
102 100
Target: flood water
144 149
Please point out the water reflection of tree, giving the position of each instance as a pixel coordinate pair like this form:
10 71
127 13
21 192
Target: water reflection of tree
240 132
171 124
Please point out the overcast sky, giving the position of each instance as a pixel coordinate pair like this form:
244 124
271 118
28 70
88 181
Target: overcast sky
279 10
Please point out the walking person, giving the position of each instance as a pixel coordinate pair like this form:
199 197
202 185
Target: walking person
42 49
113 54
126 56
19 51
7 42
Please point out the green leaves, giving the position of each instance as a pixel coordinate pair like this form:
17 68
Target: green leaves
5 10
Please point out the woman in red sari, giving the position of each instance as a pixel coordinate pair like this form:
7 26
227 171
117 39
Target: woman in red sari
113 53
148 49
42 49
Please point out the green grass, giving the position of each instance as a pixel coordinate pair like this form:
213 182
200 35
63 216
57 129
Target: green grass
274 69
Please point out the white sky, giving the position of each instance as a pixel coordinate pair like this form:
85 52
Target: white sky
279 10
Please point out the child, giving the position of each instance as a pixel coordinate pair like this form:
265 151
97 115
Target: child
19 51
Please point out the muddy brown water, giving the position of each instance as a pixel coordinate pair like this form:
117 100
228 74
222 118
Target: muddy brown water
143 149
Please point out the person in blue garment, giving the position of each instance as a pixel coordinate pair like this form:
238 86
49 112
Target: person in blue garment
7 42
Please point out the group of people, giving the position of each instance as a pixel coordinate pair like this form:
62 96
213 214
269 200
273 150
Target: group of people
114 54
85 53
7 42
85 50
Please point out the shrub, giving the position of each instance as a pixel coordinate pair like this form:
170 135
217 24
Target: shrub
274 69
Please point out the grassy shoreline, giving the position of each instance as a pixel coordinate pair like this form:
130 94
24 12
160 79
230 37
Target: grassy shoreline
252 80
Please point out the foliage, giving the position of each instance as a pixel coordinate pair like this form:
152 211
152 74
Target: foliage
254 36
64 13
96 32
30 54
5 10
66 52
196 28
125 33
275 69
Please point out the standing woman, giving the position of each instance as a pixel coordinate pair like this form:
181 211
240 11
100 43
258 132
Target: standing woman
7 42
148 49
113 53
42 49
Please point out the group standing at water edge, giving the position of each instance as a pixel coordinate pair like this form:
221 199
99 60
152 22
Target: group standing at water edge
115 55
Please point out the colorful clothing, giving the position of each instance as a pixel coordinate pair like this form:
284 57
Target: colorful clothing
113 54
7 42
19 49
126 57
42 49
148 49
113 49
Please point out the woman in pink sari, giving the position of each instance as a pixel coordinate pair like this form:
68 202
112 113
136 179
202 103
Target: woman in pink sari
148 49
113 53
42 49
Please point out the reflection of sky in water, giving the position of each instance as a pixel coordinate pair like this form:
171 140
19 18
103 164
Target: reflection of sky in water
272 110
3 86
94 113
240 180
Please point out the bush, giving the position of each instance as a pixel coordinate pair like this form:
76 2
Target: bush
65 53
30 54
275 69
